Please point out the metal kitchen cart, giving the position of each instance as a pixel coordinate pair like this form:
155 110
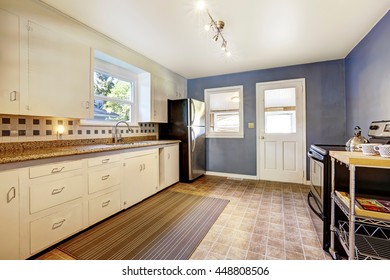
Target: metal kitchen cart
362 237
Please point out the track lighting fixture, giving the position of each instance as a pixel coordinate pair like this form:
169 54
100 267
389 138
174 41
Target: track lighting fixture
217 27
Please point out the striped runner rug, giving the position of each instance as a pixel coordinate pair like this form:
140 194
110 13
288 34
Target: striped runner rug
167 226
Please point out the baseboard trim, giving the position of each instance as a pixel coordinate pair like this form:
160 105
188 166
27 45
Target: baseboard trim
231 175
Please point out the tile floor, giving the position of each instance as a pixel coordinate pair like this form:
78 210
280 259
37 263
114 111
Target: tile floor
264 220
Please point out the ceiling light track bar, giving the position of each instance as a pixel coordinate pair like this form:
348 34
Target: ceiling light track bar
217 26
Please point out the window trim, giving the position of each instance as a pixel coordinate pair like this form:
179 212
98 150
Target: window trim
221 90
119 69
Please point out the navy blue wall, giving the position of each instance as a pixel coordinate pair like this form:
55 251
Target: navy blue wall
368 78
325 115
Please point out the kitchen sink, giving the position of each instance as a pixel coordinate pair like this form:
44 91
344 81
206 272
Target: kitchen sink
136 143
121 144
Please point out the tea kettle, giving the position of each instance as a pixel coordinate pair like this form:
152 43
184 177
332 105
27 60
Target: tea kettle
354 142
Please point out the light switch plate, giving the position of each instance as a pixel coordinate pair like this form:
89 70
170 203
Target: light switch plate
251 125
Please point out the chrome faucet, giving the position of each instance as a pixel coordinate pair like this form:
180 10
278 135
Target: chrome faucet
118 136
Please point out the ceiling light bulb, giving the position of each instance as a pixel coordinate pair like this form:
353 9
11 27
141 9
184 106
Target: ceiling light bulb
223 46
200 5
215 38
228 54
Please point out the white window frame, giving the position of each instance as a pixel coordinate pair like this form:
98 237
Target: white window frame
120 70
222 90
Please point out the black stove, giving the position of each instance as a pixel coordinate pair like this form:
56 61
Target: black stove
319 197
324 149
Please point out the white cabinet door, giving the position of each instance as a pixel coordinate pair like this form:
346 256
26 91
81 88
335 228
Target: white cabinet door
175 90
141 178
152 99
9 215
58 74
169 166
160 100
9 63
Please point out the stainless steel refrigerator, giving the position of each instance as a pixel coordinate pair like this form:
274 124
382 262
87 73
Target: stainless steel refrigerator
186 122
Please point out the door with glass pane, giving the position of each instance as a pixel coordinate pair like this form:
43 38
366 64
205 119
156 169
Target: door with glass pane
281 130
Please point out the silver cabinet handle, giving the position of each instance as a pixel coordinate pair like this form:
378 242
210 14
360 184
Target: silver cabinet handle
87 105
105 203
12 96
105 177
58 224
57 191
144 167
57 170
169 155
106 160
140 167
11 194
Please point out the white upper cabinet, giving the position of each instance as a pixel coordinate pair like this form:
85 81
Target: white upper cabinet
153 94
9 63
160 102
59 73
175 90
152 99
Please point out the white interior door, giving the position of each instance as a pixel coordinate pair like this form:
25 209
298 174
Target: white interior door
280 110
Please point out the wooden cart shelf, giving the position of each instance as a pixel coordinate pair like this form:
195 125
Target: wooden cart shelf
357 234
358 159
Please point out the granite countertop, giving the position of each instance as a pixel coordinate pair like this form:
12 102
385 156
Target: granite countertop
19 152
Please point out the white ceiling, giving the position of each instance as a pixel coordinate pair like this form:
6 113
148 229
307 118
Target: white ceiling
260 33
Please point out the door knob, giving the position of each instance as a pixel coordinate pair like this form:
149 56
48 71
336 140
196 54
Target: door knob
262 137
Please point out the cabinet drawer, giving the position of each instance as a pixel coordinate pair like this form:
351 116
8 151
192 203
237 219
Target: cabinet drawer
104 178
49 194
54 228
103 206
141 153
103 160
55 168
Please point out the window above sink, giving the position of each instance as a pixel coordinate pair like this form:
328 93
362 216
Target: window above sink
115 90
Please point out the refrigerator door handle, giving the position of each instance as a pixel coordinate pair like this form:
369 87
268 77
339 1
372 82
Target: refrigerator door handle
193 112
193 140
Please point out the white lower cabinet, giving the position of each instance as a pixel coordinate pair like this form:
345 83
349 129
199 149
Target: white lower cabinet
141 176
169 165
104 187
52 204
48 230
42 205
103 206
9 215
104 177
44 195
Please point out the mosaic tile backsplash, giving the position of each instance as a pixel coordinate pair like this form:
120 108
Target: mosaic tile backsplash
27 128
